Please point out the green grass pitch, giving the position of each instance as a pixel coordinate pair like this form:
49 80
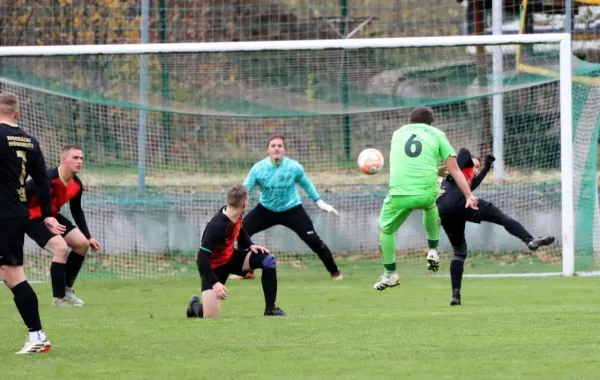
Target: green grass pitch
534 328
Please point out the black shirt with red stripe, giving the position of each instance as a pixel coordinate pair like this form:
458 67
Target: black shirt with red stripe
20 156
218 243
61 194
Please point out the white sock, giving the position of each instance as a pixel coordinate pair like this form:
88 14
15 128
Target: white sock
37 335
68 290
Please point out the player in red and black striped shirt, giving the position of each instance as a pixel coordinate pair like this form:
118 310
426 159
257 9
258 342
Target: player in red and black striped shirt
218 258
65 188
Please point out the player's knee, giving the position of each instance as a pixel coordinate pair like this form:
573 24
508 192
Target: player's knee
12 275
81 247
460 252
386 230
211 313
314 241
263 261
59 248
269 262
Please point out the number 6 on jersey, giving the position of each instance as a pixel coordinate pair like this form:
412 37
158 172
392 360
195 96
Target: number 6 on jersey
370 161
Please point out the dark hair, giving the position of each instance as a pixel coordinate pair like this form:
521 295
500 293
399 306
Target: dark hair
274 137
237 195
422 115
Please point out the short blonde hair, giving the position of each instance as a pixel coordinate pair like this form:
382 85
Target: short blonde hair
69 147
9 103
237 195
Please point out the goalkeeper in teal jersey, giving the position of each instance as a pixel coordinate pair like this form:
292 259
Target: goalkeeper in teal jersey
280 203
415 153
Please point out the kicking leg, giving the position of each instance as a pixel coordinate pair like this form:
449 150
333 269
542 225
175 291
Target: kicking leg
298 221
455 229
493 214
432 228
390 219
80 246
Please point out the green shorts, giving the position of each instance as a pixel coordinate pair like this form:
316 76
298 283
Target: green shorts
396 208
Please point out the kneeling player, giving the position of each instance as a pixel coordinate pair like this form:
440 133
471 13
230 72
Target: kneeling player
65 187
217 259
454 215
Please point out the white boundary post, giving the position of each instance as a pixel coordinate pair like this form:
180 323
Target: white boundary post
497 99
143 121
566 156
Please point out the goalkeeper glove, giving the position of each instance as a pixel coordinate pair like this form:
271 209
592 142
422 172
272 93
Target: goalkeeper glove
326 207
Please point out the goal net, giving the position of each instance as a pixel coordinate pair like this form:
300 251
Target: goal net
166 129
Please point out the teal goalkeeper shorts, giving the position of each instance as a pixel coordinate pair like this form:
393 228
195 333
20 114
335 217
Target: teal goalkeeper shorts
396 208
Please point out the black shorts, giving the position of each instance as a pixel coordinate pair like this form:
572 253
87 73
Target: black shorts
12 238
450 209
233 266
38 232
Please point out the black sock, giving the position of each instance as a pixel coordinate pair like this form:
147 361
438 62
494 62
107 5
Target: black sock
57 275
198 310
457 266
27 304
74 264
269 284
456 273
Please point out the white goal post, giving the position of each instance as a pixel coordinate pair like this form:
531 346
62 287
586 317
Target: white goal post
565 77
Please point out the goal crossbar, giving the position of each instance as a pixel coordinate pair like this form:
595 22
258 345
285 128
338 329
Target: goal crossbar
220 47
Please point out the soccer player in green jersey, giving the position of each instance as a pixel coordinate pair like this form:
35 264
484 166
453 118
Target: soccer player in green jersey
415 153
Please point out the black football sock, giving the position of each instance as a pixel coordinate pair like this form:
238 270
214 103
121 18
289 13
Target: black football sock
457 266
57 275
27 304
269 285
74 264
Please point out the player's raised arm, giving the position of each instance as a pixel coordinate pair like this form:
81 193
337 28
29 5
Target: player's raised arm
481 175
310 189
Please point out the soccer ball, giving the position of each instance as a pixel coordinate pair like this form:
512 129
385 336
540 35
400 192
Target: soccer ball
370 161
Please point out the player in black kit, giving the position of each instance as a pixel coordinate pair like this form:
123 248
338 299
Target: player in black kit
20 156
454 215
218 258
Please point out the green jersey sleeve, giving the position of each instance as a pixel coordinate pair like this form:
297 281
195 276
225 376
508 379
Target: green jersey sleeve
446 149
